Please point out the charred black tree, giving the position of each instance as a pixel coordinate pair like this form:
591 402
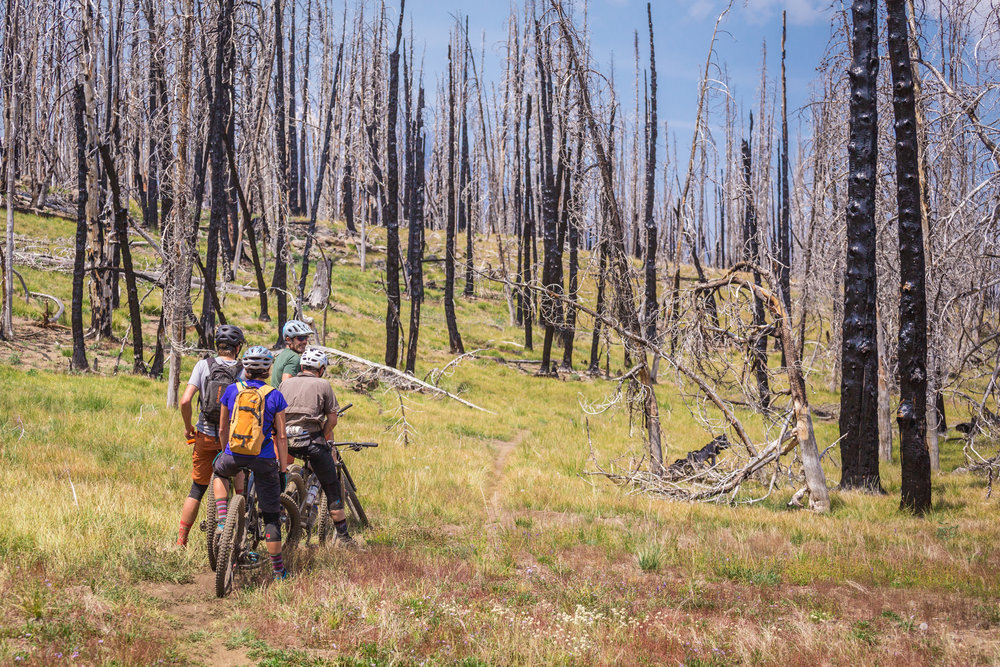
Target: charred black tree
279 281
527 232
121 232
219 120
550 314
248 228
912 414
464 175
79 360
294 205
324 161
390 207
649 314
454 338
859 352
347 187
758 343
573 238
415 249
784 222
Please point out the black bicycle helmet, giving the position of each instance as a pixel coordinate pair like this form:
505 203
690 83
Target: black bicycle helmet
227 334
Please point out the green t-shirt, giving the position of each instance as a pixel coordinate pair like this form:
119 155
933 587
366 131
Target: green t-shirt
287 361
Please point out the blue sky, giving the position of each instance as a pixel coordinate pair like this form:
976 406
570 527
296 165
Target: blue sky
683 29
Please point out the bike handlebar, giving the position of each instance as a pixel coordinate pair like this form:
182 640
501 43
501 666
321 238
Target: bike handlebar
355 446
344 409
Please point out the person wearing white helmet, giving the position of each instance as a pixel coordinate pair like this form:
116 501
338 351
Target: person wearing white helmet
241 422
312 415
296 334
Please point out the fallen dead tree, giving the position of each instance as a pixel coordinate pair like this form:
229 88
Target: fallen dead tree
398 378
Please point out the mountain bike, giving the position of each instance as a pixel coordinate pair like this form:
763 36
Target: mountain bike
304 487
241 548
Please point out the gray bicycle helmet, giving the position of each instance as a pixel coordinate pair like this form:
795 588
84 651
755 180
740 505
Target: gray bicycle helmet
295 328
314 358
258 358
227 334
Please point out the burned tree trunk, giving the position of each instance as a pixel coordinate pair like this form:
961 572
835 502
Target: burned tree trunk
784 224
390 208
758 345
550 307
454 338
279 281
294 205
859 379
121 232
79 360
527 232
415 249
324 161
649 312
220 112
912 413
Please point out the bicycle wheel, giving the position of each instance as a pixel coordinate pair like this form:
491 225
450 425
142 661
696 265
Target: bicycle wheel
295 488
322 518
291 523
230 546
351 501
211 519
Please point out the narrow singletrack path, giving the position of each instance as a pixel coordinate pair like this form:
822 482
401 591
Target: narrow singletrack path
192 607
492 492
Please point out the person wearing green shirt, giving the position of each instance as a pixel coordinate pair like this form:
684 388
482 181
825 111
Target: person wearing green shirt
286 364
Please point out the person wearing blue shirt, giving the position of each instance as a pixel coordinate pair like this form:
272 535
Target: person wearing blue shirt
268 466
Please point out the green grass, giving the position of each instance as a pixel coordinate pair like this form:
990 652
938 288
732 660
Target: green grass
538 564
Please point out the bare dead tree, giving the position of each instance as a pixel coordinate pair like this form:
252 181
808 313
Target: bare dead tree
859 428
912 412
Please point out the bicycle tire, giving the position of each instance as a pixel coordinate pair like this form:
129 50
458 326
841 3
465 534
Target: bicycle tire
211 519
292 522
295 488
351 501
229 546
322 519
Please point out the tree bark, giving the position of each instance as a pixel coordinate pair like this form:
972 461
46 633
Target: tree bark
454 338
912 412
279 280
390 206
859 428
415 249
79 359
758 345
121 231
650 313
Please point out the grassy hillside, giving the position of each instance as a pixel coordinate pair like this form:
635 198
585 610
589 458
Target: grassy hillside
489 545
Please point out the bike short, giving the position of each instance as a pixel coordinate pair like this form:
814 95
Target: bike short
265 475
321 458
206 448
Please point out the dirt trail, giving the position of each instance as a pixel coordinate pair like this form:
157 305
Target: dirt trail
192 607
504 449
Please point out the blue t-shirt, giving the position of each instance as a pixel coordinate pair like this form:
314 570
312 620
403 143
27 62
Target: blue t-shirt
273 404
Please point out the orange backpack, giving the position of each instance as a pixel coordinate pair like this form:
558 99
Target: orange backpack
246 424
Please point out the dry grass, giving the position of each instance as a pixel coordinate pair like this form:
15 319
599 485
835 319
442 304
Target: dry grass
558 570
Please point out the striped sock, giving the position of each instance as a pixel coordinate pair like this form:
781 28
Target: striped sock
221 507
277 563
182 534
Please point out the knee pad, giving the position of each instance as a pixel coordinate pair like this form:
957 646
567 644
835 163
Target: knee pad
333 495
272 526
197 490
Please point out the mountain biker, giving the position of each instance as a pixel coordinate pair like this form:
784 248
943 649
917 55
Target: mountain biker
268 465
311 417
296 334
209 380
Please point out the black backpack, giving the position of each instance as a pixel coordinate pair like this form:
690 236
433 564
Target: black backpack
220 376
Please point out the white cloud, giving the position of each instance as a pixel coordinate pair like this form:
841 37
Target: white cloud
800 12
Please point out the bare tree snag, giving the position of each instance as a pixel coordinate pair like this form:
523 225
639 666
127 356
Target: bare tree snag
79 360
454 338
650 314
121 231
859 428
912 412
415 245
390 207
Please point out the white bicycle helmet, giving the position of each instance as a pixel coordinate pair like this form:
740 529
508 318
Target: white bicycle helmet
258 358
314 358
295 328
